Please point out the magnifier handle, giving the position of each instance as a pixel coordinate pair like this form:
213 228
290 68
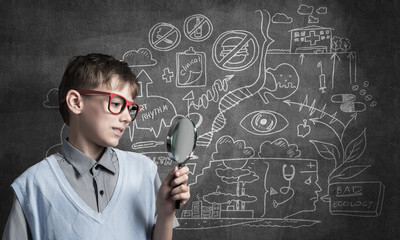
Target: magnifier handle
178 202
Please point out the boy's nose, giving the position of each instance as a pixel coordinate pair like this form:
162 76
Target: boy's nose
125 116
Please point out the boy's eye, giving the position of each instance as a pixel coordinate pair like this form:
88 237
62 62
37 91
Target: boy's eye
115 104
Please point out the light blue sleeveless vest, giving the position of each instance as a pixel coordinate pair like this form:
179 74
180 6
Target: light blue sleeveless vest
55 211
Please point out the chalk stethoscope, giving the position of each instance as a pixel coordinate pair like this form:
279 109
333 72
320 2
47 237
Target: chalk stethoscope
288 176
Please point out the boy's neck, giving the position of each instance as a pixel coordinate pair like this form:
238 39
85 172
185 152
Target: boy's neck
95 152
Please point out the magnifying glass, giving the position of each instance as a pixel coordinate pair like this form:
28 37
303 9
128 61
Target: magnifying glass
181 142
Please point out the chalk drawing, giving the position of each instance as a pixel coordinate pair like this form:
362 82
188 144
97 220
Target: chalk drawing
139 58
197 28
167 75
264 122
235 50
210 95
51 99
262 179
281 18
164 37
322 10
303 129
305 9
233 98
156 111
191 69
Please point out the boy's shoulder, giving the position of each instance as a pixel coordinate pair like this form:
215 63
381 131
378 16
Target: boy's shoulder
36 169
136 160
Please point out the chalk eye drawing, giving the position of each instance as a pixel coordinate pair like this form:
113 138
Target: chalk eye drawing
197 28
51 99
139 58
191 69
264 122
281 18
235 50
164 37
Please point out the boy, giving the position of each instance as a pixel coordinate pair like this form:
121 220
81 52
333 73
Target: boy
90 190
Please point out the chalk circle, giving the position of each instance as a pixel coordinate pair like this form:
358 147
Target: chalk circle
368 98
164 36
235 50
197 28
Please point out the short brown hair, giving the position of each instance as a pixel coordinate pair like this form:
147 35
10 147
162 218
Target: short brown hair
91 71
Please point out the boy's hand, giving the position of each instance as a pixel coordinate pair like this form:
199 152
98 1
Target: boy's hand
174 187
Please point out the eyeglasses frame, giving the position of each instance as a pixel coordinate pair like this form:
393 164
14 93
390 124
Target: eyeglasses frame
128 103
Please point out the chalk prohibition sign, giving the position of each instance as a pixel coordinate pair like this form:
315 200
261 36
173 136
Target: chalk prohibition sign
197 28
235 50
164 36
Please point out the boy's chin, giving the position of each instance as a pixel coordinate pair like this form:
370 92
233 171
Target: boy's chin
113 144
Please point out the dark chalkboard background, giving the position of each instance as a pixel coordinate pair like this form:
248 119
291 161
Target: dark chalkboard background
296 102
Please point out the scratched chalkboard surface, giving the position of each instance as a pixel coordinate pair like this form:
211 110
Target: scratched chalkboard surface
296 104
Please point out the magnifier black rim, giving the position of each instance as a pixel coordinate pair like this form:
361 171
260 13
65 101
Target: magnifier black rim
170 134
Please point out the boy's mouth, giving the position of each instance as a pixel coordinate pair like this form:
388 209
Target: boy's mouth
118 130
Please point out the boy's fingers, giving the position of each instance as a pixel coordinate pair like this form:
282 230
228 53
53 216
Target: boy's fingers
180 189
170 176
183 170
183 196
183 179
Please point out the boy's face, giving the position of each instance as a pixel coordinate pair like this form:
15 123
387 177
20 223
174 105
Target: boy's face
98 126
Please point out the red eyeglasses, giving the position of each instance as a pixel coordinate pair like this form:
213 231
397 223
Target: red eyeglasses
116 103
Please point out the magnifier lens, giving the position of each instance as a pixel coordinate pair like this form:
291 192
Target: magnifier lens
183 140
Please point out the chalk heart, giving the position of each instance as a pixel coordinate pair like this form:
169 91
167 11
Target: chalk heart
286 80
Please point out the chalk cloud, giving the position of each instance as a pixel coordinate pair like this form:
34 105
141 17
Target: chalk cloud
139 58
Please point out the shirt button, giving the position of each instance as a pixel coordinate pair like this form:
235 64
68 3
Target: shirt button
97 167
101 192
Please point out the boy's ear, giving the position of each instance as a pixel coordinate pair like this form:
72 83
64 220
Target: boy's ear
74 101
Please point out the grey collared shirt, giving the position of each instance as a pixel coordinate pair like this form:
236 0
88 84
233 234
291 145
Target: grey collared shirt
93 181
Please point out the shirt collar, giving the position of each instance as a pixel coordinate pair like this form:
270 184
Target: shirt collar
82 163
